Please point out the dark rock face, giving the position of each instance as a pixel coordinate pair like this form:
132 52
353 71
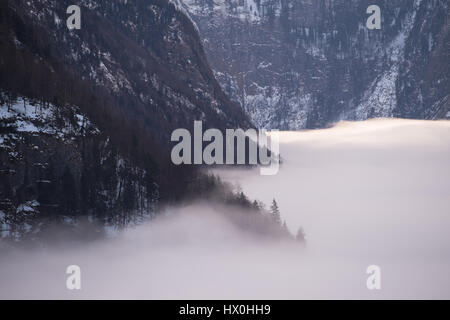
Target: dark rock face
135 71
146 55
305 64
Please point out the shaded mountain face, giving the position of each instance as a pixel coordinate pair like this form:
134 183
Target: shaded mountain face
296 64
145 55
86 115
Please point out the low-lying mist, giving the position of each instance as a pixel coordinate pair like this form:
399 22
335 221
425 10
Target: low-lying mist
188 253
368 193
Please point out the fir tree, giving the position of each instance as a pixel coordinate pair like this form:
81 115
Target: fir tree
69 191
275 212
301 235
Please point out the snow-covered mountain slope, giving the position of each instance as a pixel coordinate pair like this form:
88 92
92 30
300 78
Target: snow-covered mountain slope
34 117
56 164
305 64
86 115
140 51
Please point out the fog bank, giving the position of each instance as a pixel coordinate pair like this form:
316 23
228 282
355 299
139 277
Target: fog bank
368 193
373 192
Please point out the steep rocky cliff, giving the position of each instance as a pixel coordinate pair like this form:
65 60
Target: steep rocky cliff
307 63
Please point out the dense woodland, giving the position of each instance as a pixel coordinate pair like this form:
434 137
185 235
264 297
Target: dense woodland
118 172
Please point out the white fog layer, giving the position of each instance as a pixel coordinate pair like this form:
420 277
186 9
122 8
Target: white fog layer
368 193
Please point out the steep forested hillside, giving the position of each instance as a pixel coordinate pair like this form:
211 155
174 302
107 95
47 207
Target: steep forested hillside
86 115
